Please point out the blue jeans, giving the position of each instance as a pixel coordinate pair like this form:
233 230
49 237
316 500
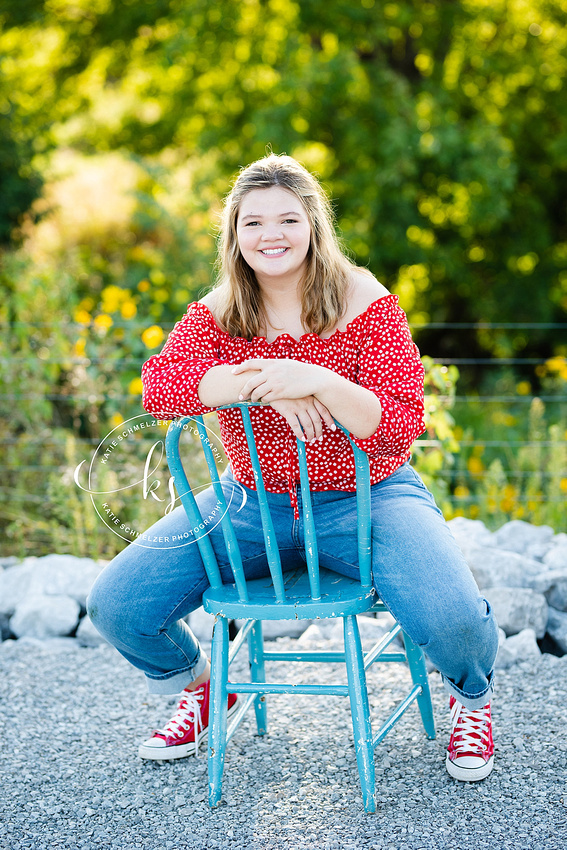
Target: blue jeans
140 598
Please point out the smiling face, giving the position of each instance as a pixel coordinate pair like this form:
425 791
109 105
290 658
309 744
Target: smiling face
274 234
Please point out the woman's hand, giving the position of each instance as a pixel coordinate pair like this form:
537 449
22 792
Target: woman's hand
280 379
305 416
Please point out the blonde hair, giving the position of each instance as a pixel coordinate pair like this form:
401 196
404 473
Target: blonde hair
238 304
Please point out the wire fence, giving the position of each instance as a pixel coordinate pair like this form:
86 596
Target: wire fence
470 400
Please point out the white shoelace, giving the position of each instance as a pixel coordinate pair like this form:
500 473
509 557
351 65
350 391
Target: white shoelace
470 728
187 714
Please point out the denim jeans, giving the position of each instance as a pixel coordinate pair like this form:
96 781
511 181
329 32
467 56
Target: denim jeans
140 599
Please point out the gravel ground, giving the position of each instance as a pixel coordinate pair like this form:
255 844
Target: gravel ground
71 718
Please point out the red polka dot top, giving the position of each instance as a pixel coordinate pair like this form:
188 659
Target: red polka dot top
375 350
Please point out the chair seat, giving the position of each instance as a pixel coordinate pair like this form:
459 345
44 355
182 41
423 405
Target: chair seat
340 597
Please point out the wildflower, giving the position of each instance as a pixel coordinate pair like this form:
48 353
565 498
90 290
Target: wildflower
153 336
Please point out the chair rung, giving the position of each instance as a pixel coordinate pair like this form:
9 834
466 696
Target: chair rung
304 656
390 656
328 656
379 648
284 688
393 719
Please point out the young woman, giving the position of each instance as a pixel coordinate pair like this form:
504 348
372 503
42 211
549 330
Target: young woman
294 324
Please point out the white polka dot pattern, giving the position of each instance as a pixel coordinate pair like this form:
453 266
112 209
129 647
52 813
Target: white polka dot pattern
375 351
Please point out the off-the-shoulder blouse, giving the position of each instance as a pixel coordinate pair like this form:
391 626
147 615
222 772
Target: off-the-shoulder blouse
375 350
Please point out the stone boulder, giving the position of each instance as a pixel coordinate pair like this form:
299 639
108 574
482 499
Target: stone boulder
523 537
515 649
372 629
517 609
87 634
15 584
556 556
51 575
553 585
41 616
470 532
5 630
557 628
201 624
499 567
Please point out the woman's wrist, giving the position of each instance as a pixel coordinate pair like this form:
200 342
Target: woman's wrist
220 386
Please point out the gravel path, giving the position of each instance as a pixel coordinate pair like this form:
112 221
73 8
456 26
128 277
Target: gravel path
70 720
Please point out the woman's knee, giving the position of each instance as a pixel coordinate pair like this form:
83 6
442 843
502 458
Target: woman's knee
105 604
119 602
468 629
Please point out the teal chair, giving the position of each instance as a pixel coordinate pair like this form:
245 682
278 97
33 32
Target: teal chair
313 592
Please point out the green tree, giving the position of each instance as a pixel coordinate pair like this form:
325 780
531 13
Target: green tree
440 127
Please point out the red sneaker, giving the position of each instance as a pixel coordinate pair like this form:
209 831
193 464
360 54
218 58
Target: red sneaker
470 755
186 729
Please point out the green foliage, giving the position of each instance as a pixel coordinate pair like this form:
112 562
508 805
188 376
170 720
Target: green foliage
436 451
439 128
526 479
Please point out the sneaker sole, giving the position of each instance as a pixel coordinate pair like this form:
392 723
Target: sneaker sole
469 774
178 751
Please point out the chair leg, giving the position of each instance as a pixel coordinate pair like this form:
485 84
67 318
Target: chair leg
218 709
360 710
418 671
258 674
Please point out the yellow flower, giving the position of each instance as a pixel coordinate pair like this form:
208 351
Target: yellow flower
136 387
461 491
82 317
103 321
161 295
152 336
563 485
112 297
128 310
555 364
475 465
79 348
116 419
523 388
144 285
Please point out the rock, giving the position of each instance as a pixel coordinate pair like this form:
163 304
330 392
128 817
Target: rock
52 644
42 616
15 584
273 629
518 648
87 635
312 634
9 561
52 575
556 556
500 568
201 624
518 609
372 629
470 532
553 585
5 630
522 537
557 628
